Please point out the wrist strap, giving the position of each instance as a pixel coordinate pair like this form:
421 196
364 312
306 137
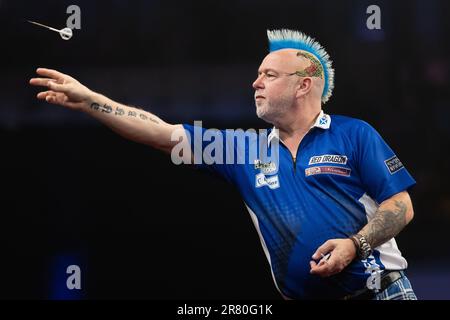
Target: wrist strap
363 249
355 240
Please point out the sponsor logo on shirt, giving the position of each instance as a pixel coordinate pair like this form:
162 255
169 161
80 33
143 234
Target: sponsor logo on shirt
328 158
261 180
393 164
266 168
328 170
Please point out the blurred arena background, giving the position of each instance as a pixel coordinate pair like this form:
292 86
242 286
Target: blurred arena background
141 227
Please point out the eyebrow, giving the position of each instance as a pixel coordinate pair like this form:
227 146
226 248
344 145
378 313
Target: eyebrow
267 70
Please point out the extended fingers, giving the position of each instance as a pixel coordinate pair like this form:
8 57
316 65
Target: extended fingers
50 73
44 82
53 97
54 80
50 83
43 95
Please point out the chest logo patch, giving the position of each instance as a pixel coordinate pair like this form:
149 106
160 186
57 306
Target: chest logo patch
266 167
261 180
328 170
328 158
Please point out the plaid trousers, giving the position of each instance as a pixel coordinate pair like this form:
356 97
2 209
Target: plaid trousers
399 290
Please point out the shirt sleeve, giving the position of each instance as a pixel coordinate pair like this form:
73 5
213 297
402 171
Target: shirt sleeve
382 173
210 151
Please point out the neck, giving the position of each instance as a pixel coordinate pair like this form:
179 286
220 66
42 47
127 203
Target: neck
298 122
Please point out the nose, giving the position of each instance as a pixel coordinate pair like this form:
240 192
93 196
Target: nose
258 83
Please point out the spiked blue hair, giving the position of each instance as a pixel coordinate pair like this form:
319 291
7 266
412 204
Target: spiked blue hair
291 39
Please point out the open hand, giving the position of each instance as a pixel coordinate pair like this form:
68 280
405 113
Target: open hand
64 90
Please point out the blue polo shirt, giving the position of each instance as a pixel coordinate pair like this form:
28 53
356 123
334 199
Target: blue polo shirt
342 171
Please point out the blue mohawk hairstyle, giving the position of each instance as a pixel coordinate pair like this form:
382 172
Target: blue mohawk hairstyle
291 39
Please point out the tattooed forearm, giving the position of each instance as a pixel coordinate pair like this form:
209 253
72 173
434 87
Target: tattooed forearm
386 224
121 112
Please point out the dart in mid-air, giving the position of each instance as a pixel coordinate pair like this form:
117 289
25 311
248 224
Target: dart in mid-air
65 33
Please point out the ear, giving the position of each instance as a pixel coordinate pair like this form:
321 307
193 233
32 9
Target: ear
304 87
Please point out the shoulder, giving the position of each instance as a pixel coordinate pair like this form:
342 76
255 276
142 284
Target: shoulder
349 125
345 121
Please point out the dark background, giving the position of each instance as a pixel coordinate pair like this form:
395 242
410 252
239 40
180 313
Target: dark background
140 227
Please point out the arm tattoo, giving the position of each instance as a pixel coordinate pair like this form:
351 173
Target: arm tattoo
95 106
386 224
120 112
106 108
153 120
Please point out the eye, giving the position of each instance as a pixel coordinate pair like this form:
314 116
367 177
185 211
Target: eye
270 75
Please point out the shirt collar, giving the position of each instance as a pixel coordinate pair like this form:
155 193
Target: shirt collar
323 121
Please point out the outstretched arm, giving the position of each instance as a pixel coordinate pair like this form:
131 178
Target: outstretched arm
131 123
392 216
